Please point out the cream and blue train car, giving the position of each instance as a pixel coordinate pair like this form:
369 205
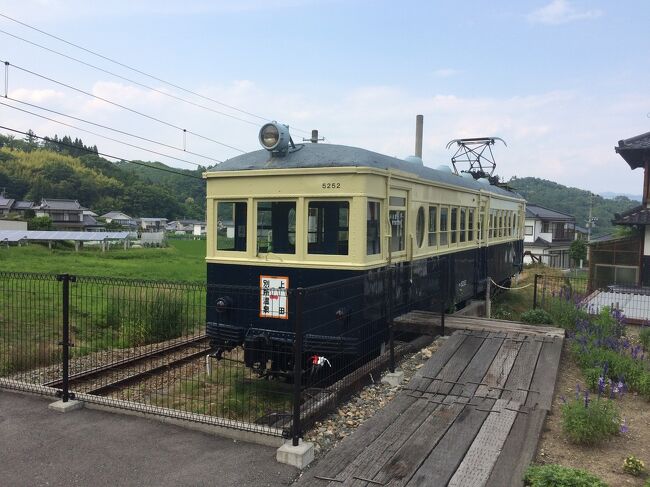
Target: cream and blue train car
298 216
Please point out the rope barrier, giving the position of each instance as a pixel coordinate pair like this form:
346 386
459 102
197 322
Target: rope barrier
511 288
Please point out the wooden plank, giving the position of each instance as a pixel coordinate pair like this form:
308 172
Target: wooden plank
455 366
338 458
443 461
543 381
421 439
482 455
497 374
403 465
475 371
438 360
367 462
522 372
519 450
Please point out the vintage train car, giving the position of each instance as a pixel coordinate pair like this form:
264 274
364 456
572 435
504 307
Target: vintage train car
298 216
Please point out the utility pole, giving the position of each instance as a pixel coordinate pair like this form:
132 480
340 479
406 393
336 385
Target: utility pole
590 221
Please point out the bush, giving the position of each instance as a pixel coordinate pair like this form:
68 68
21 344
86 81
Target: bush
559 476
565 313
536 317
644 337
633 466
588 422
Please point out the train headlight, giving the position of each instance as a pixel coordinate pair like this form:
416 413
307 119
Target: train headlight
223 304
275 137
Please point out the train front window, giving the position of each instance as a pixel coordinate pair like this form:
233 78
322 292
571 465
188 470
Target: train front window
373 228
276 227
328 227
231 226
470 224
462 224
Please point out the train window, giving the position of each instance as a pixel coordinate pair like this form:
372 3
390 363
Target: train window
470 224
397 221
231 226
373 228
454 224
444 226
276 227
328 227
491 225
499 223
433 211
509 224
419 227
463 222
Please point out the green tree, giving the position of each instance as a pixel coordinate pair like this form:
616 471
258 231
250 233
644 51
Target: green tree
40 223
578 251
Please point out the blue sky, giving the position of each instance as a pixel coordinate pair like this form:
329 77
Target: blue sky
561 81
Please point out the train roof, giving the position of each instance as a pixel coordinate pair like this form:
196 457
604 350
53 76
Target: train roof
332 155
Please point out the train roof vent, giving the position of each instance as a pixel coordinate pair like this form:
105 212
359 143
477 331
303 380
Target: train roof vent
466 175
444 168
485 181
414 160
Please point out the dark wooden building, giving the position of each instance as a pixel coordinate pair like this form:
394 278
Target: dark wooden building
627 261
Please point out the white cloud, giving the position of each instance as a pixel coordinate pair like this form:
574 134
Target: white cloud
36 95
561 12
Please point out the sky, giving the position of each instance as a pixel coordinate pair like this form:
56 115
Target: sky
560 81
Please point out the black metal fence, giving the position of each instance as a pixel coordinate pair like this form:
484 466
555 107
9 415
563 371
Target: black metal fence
560 294
141 345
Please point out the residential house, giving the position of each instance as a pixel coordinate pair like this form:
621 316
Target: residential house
65 214
152 224
5 205
121 219
24 208
548 235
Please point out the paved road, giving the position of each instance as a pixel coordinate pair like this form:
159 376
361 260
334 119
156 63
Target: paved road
94 448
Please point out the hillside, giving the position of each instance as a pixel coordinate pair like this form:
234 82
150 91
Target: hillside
31 171
573 201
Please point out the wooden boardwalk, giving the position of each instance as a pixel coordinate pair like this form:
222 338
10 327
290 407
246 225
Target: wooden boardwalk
471 416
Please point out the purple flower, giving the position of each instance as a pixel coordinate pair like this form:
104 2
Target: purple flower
624 428
586 398
601 385
578 391
563 399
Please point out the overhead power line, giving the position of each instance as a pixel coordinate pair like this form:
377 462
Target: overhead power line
123 132
151 88
90 151
132 110
100 135
136 70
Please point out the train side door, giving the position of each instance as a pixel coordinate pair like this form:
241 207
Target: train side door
398 243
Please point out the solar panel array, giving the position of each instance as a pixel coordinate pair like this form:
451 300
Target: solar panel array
42 235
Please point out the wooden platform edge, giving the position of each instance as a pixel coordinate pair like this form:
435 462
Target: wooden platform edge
427 322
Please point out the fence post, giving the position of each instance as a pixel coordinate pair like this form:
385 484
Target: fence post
297 367
65 279
488 297
535 292
443 299
391 331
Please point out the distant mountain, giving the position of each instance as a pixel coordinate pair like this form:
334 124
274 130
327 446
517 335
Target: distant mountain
610 196
31 170
574 201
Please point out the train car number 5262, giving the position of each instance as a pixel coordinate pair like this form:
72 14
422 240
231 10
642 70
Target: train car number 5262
331 185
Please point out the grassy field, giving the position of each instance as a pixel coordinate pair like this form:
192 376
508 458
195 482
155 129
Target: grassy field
183 260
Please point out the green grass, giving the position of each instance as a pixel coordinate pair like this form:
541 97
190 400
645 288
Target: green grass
183 260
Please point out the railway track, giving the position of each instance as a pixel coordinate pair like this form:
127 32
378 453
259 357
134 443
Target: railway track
107 378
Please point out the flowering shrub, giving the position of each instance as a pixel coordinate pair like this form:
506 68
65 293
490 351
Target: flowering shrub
633 465
559 476
588 422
